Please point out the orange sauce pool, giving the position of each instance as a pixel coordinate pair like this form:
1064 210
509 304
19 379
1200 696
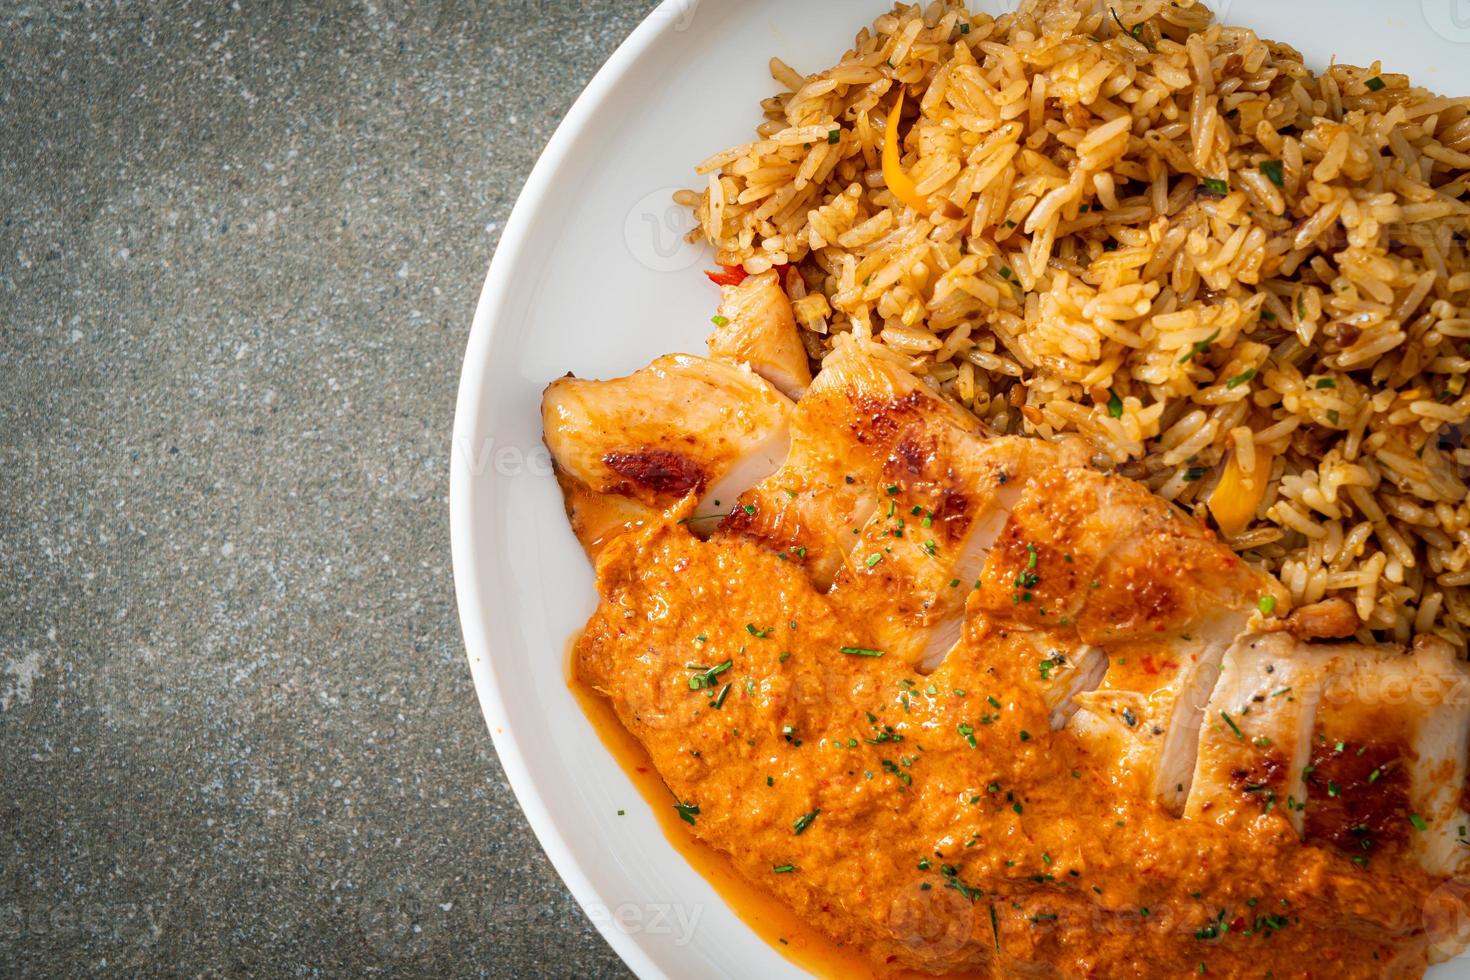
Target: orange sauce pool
766 916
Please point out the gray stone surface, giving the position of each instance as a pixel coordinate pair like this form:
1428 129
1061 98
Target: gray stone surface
240 245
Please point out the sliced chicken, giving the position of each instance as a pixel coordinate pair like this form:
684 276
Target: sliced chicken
1256 737
843 432
1388 757
756 327
682 427
945 496
1101 558
1363 748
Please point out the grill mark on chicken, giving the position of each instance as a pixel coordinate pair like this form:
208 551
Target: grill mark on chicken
880 420
1358 796
1263 782
660 470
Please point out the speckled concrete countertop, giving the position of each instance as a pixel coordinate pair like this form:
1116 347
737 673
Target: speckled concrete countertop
240 250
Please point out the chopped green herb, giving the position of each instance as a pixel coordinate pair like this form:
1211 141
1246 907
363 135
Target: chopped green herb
834 137
1115 404
687 811
1267 605
1272 170
804 821
748 508
1418 822
1333 416
1005 272
873 559
750 628
1375 84
1241 378
861 652
1325 383
720 321
784 869
1199 347
705 676
1233 726
1216 186
969 734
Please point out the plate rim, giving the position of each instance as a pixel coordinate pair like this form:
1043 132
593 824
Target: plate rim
473 626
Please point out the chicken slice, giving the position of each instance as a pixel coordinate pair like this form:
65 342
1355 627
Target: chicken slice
1100 558
1256 737
759 330
1364 747
683 426
843 432
1388 756
946 495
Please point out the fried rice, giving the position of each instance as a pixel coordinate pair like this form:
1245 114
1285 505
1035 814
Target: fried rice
1245 282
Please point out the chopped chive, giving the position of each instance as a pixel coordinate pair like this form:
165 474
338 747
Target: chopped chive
1325 383
1241 378
1272 170
873 559
1267 605
1418 822
1233 726
861 652
784 869
748 508
720 321
1005 272
687 811
804 821
1199 347
834 137
750 628
1216 186
1375 84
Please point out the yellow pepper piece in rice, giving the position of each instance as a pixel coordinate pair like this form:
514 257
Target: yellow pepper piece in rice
1236 498
900 183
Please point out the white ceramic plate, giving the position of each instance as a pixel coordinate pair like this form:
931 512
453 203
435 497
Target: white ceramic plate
592 276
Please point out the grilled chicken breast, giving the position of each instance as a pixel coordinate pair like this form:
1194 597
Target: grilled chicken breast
1358 748
682 429
915 630
843 434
